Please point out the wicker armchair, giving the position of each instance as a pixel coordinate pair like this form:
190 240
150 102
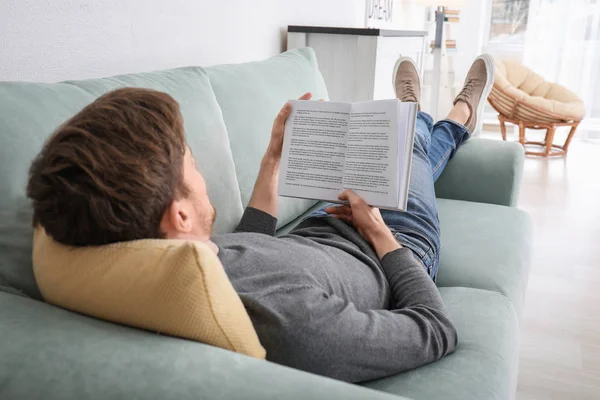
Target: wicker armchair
524 98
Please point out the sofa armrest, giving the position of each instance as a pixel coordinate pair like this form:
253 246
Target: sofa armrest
49 353
484 171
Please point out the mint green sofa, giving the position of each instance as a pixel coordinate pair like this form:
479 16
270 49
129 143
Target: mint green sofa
50 353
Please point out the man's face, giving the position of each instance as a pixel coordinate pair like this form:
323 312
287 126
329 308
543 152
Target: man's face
202 212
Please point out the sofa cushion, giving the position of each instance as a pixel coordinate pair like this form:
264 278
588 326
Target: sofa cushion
485 364
175 287
29 112
250 96
204 127
51 354
486 247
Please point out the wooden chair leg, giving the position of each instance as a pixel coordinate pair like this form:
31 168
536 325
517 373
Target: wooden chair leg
570 137
502 126
522 133
549 139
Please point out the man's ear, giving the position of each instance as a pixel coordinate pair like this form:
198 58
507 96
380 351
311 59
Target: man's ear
176 220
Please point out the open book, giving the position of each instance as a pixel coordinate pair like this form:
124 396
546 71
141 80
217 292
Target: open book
365 146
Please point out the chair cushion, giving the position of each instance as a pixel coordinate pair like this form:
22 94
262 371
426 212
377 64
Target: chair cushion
175 287
485 247
485 363
250 96
539 100
29 112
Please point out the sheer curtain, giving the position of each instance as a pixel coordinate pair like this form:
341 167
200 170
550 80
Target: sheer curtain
562 43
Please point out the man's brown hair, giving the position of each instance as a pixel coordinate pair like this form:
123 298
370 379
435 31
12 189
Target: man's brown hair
108 174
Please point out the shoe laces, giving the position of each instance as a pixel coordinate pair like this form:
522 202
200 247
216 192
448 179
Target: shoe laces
467 90
408 90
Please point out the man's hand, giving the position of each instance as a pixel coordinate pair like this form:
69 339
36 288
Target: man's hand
264 196
276 144
367 220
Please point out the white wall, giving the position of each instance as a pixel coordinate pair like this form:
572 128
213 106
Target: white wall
470 33
52 40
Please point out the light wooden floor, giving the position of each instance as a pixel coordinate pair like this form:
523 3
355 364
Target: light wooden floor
560 332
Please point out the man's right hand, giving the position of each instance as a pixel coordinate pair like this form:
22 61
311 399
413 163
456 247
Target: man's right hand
367 220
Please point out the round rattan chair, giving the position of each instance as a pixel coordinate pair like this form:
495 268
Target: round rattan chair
524 98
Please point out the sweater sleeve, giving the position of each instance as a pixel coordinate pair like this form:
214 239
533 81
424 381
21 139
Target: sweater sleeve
409 283
324 334
257 221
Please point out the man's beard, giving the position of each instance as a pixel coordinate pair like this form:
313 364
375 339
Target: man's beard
210 220
214 217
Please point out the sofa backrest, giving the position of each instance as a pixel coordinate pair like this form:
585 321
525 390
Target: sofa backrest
228 111
250 96
29 113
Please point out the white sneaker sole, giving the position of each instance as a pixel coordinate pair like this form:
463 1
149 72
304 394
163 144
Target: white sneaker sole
489 84
395 72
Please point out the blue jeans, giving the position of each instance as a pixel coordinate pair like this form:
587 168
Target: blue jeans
419 227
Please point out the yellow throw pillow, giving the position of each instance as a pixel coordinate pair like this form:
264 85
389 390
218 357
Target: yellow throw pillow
174 287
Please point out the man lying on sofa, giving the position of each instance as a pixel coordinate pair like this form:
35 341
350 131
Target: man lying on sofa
349 293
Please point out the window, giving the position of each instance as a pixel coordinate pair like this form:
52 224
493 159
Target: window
509 21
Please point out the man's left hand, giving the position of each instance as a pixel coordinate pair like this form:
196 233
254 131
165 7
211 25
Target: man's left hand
264 196
276 143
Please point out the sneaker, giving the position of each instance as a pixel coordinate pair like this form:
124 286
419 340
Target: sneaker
405 79
478 84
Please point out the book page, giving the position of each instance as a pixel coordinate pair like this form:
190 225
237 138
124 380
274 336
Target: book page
314 147
407 119
371 167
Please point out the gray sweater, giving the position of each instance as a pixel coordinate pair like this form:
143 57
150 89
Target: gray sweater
321 301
